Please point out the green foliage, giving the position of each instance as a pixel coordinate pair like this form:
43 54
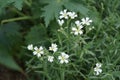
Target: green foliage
6 3
37 34
53 7
77 7
10 39
25 22
7 60
18 4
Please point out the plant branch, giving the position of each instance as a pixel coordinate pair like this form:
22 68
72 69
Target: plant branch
15 19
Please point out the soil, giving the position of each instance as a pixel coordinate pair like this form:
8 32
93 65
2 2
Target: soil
7 74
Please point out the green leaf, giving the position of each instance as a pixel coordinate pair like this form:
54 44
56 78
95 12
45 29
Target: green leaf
5 3
51 10
36 10
10 39
12 33
36 35
7 60
18 4
76 7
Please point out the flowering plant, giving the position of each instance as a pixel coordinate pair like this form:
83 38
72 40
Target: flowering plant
67 48
61 40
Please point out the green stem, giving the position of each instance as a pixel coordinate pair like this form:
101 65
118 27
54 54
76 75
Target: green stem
15 19
68 33
16 11
46 71
60 40
62 74
45 68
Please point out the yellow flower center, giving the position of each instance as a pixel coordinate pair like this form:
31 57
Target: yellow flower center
65 15
38 51
63 58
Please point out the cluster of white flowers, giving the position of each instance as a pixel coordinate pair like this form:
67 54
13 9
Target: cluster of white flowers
98 69
66 15
63 57
77 30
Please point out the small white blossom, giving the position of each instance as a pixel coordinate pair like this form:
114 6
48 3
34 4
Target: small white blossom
91 28
50 58
78 24
98 69
86 21
30 47
60 22
63 58
53 47
72 15
77 30
38 51
64 14
99 65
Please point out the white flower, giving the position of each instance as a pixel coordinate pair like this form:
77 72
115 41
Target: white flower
72 15
98 69
78 24
98 65
63 58
77 30
30 47
86 21
50 58
53 47
64 14
60 22
90 29
38 51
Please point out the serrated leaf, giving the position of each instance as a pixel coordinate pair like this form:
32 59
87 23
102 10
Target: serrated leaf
51 11
76 7
36 35
53 8
18 4
5 3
